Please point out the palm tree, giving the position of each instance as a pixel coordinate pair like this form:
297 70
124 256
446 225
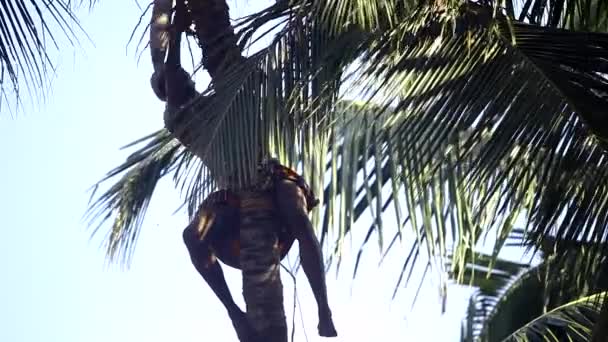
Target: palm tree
450 126
524 302
472 115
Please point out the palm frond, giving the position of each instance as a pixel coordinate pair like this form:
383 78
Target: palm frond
263 106
571 14
583 15
508 296
27 30
574 272
128 198
458 126
518 123
573 321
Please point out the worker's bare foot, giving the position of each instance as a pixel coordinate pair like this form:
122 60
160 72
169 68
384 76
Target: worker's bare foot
326 325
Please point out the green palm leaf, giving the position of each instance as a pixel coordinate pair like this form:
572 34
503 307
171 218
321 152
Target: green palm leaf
129 197
509 295
459 128
496 309
573 321
481 86
27 30
581 15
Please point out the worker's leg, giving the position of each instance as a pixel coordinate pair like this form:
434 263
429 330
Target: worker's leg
209 268
291 203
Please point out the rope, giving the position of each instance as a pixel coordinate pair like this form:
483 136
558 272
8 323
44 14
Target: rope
296 302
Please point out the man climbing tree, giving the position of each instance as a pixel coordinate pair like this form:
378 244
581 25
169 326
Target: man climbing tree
215 231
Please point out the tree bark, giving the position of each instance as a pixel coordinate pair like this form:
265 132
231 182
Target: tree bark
259 257
215 34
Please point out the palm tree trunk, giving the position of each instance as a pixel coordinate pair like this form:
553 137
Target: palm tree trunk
262 287
259 257
215 34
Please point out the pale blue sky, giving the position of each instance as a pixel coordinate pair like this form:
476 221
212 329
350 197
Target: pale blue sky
55 287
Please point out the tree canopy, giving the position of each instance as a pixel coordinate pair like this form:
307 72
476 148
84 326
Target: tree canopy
470 116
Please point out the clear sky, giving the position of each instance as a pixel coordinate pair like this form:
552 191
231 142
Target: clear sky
55 287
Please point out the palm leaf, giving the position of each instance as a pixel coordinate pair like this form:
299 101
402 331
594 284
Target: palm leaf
496 309
573 321
581 15
128 199
573 273
511 294
25 37
468 130
284 79
517 315
480 86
